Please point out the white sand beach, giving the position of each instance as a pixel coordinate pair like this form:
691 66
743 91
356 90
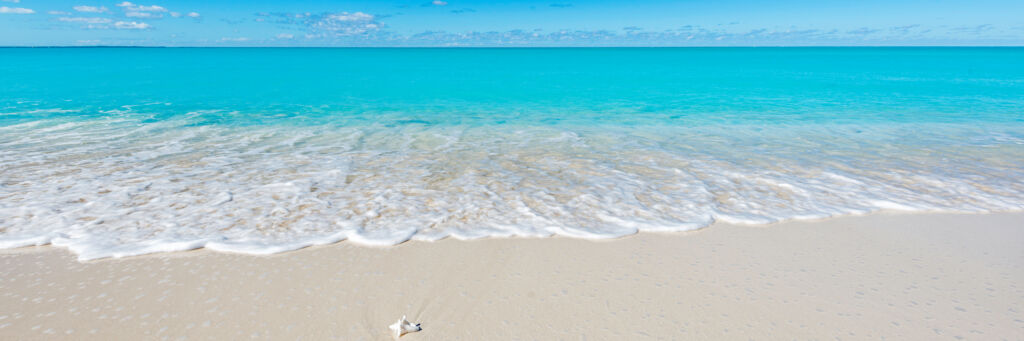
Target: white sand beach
905 277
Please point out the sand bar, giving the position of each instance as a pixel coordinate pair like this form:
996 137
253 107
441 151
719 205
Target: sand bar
926 276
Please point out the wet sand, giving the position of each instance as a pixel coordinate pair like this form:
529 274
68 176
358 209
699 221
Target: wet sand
907 276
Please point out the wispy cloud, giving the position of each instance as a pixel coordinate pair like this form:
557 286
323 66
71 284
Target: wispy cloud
58 13
128 6
14 1
132 10
90 9
85 20
977 29
863 31
97 23
194 15
364 29
512 37
131 25
904 29
438 3
328 25
345 23
15 10
688 35
463 10
142 15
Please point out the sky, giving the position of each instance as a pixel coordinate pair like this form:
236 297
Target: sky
510 23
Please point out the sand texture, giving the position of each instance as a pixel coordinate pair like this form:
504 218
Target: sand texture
923 277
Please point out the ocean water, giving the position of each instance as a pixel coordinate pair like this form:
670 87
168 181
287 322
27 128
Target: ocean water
123 151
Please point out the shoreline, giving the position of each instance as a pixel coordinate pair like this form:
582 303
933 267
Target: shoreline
187 246
917 275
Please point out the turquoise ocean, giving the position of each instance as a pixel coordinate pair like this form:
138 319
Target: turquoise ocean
123 151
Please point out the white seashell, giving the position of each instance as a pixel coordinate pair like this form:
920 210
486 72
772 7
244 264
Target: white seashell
403 327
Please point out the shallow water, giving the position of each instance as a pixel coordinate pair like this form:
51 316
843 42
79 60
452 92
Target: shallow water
115 152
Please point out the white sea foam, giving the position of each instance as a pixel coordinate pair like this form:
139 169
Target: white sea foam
116 187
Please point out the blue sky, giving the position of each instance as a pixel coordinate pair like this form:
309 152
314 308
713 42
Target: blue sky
510 23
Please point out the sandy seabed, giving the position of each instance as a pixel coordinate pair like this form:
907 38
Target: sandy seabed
906 276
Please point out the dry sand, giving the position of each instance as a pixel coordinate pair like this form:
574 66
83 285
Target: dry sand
924 277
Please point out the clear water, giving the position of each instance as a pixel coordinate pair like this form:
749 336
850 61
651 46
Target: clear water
116 152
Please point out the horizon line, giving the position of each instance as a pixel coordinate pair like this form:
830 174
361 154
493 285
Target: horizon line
503 46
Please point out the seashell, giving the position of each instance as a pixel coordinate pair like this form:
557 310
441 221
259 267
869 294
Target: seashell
403 327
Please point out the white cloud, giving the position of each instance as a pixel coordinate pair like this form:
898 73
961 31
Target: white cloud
131 7
14 1
175 15
285 36
141 15
439 3
153 8
344 24
133 10
345 16
86 20
239 39
338 24
193 15
58 13
90 9
130 25
15 10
